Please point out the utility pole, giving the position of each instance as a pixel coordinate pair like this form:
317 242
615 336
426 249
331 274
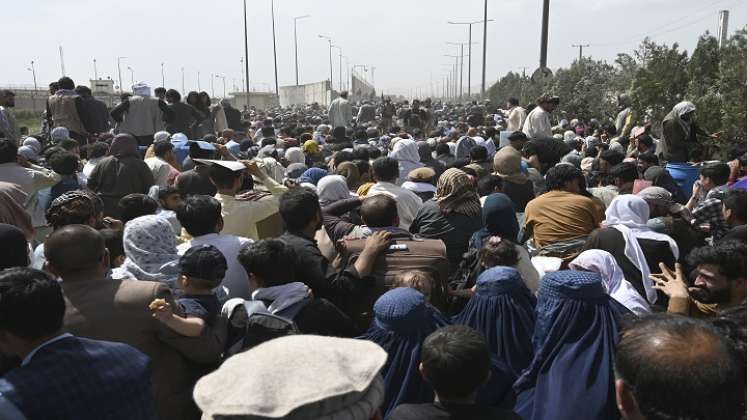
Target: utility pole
722 34
580 50
62 62
246 57
295 40
95 71
119 72
183 91
212 85
163 77
543 39
469 42
340 56
329 40
198 82
33 95
484 47
453 74
275 51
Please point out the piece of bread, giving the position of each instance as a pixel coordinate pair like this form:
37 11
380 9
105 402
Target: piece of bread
157 303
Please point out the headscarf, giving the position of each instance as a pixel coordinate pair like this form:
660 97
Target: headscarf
463 146
628 214
502 310
311 147
15 247
295 155
405 150
660 177
455 193
267 151
312 175
402 321
424 150
507 165
161 136
123 145
150 251
28 152
33 143
498 219
141 89
569 136
58 134
571 376
332 188
679 111
613 279
12 211
350 172
295 170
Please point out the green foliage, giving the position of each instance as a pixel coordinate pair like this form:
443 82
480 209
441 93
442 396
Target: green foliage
657 76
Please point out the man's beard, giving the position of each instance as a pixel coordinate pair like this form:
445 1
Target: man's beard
703 295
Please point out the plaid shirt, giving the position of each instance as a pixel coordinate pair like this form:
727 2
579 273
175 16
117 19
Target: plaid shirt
77 378
710 212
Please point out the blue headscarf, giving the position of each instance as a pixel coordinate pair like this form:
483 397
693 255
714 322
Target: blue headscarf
571 376
498 218
402 321
312 175
502 310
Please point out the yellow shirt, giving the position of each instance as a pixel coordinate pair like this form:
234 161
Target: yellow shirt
559 216
240 217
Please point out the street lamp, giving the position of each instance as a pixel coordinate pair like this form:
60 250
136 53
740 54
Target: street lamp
224 83
340 48
275 51
469 65
212 85
246 56
329 40
95 71
32 69
461 67
119 72
132 75
183 92
295 40
163 77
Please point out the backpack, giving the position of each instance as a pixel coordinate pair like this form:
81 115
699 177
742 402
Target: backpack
249 324
405 253
462 280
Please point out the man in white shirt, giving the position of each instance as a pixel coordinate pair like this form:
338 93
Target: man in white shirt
537 124
164 173
31 178
516 115
385 172
241 213
200 215
340 111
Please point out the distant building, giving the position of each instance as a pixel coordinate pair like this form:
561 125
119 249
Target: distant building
105 86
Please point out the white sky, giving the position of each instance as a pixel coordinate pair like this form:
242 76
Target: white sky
404 39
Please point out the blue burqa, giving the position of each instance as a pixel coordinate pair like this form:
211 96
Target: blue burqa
571 376
502 310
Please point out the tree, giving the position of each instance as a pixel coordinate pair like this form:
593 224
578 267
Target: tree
661 79
732 71
703 88
585 90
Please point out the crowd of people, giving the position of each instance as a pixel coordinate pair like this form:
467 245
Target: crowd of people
375 260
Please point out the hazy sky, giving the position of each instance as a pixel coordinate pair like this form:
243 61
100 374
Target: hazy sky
404 39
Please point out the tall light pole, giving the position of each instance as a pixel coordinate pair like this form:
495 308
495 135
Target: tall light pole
212 85
329 40
243 80
461 67
246 57
295 40
580 50
183 91
32 69
119 72
469 41
340 48
543 39
275 51
198 82
224 83
132 75
163 77
454 75
484 47
95 70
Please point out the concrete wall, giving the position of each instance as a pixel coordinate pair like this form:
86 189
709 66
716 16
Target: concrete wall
319 92
260 100
28 99
360 89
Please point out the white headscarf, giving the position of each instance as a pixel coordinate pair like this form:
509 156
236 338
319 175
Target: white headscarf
405 150
295 155
150 251
628 214
141 89
162 136
681 109
613 279
332 188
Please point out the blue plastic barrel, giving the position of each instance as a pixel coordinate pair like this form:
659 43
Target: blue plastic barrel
684 175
